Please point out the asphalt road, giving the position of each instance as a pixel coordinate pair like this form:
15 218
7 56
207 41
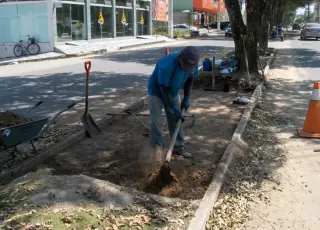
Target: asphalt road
305 56
59 82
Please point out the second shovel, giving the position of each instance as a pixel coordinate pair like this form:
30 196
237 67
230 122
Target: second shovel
89 124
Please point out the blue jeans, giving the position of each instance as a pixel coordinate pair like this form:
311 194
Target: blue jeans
155 136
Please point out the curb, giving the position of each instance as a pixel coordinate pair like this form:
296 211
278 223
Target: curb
32 163
206 205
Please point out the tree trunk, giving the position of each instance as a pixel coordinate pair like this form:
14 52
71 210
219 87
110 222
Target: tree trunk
265 27
238 29
255 9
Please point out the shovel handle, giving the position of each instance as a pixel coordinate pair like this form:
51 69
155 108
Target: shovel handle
174 138
87 67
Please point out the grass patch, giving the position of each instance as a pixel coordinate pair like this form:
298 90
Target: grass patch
87 219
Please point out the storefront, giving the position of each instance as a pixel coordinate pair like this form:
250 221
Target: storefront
206 11
125 18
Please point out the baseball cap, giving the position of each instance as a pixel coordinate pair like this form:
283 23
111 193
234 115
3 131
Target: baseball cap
190 57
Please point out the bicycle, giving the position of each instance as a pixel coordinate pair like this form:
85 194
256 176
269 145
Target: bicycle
21 48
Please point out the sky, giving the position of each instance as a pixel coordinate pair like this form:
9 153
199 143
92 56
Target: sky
301 10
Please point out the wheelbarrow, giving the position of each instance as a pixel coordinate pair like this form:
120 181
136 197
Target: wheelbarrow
12 136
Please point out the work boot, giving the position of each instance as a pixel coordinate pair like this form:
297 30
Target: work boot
183 153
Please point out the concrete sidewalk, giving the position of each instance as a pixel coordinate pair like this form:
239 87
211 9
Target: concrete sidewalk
74 48
81 48
292 193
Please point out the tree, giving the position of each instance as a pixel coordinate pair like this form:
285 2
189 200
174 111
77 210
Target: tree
261 15
250 32
238 28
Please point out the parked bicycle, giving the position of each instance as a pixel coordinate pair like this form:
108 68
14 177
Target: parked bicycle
31 47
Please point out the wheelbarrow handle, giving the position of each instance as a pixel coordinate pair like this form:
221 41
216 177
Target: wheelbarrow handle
87 67
39 103
35 106
71 105
54 118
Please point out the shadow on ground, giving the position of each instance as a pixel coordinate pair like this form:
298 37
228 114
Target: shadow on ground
302 58
67 87
151 56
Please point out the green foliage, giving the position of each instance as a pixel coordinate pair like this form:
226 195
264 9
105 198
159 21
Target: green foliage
175 33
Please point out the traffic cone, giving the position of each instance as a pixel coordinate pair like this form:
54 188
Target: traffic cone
312 122
167 51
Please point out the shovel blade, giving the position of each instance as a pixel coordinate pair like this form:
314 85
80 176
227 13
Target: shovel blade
89 125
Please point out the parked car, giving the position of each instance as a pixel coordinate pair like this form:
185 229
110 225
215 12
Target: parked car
310 30
296 27
223 25
184 27
228 32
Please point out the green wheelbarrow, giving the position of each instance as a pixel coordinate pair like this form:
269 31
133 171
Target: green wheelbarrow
34 128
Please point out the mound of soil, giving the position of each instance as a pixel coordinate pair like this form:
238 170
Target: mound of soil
8 119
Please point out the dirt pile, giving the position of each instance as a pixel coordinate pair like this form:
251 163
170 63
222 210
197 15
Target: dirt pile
156 186
8 119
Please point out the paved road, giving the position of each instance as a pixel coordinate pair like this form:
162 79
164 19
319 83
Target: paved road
58 82
296 205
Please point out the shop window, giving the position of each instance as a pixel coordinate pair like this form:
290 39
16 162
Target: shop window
124 28
77 22
98 29
143 22
127 3
70 22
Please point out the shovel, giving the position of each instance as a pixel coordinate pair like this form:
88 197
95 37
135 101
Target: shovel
165 171
89 125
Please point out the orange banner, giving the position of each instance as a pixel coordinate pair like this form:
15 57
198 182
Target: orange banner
209 5
160 10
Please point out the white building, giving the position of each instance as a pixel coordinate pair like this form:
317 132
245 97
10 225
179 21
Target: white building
59 21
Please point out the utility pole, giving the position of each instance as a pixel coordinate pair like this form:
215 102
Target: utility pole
318 16
308 12
218 23
170 19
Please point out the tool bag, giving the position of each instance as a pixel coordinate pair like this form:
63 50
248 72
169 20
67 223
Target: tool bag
229 63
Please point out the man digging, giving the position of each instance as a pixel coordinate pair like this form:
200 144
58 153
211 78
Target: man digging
171 73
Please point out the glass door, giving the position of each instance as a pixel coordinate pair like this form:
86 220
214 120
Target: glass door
64 23
77 22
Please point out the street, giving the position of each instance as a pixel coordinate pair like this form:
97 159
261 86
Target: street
58 82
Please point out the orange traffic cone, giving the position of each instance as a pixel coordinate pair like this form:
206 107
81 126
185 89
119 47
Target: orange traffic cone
167 51
312 122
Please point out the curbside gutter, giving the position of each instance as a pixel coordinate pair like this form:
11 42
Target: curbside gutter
31 164
206 205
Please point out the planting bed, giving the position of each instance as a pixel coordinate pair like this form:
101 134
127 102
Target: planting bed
116 154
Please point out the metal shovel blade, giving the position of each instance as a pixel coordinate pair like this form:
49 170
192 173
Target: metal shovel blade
89 125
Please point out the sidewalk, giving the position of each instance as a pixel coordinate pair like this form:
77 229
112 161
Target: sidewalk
80 48
107 45
274 183
292 192
212 32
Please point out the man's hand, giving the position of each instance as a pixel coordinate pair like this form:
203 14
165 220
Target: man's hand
177 113
185 103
